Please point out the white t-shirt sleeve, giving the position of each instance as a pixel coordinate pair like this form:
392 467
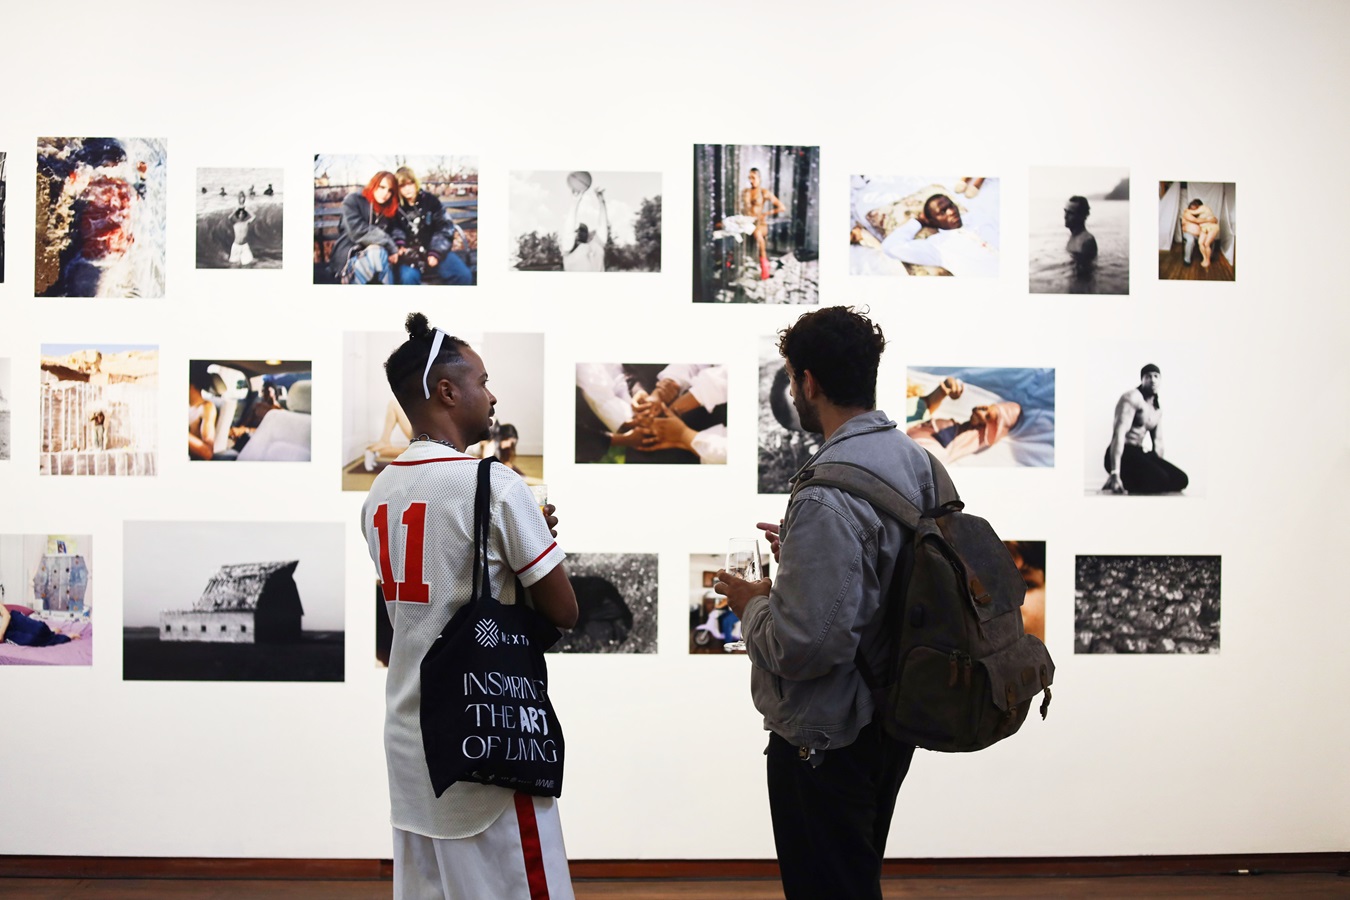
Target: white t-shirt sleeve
681 373
709 387
711 445
902 245
604 393
529 547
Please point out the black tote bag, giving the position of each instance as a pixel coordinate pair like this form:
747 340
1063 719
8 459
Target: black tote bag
486 714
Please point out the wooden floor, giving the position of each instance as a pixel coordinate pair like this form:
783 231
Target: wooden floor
1268 885
1172 266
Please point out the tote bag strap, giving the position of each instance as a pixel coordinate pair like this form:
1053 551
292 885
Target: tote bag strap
482 530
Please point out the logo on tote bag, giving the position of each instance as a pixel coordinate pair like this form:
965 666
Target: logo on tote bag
486 633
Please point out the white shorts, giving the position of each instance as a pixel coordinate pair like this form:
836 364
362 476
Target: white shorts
519 857
240 253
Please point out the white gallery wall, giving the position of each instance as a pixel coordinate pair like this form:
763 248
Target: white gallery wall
1235 751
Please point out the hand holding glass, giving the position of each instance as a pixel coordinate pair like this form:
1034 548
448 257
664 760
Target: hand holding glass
743 562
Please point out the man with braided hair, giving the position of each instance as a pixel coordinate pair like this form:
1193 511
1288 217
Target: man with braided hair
474 840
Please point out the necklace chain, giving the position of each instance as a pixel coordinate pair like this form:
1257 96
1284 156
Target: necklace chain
423 437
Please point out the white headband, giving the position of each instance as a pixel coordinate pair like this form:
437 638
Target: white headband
431 358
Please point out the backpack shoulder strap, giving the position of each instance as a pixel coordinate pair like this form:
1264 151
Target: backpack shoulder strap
862 482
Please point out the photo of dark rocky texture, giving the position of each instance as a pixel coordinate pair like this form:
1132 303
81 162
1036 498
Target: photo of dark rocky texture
1147 604
616 599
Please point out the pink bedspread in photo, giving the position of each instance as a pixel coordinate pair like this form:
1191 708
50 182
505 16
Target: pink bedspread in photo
76 653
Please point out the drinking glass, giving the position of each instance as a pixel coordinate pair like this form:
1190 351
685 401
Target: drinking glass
743 562
540 492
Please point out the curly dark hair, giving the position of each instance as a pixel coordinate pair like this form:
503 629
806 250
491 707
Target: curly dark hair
405 366
842 348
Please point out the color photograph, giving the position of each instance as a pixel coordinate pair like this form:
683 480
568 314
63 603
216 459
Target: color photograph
101 217
1146 419
4 410
46 600
1079 236
100 409
251 410
756 224
585 221
713 627
616 603
982 416
232 601
375 430
391 219
1030 559
784 446
651 413
1197 231
239 218
922 225
1147 604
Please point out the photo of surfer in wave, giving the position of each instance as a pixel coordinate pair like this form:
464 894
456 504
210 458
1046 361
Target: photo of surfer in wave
239 218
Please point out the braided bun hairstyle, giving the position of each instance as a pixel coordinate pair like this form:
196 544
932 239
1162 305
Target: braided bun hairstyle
405 366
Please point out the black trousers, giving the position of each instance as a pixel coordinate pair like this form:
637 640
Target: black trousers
830 821
1147 473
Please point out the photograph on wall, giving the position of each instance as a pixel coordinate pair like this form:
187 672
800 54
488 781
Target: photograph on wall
756 223
239 218
1197 231
99 405
921 225
1146 417
1079 237
784 446
232 601
982 416
394 219
1146 604
375 430
2 217
4 409
585 221
651 413
616 603
1030 559
251 410
46 600
101 217
713 627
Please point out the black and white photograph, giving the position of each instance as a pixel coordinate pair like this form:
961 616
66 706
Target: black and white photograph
924 225
4 409
2 217
1147 418
616 603
395 219
250 410
375 430
232 601
982 415
635 413
1078 240
784 446
1146 604
239 216
101 217
585 221
756 223
46 600
1197 231
99 405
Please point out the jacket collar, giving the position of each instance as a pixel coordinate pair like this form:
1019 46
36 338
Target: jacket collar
865 423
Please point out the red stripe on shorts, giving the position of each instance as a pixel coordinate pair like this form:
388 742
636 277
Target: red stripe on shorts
530 847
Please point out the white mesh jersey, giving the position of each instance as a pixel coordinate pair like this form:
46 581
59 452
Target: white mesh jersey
418 525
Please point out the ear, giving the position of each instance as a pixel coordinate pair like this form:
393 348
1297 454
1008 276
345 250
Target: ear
808 384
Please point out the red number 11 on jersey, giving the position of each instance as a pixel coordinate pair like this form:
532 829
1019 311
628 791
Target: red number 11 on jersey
414 588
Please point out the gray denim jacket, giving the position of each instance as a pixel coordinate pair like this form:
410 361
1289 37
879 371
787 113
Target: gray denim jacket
836 560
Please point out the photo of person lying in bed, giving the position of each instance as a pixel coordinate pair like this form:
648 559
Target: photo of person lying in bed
917 225
983 416
46 600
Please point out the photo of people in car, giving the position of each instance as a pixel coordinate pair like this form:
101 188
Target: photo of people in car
252 410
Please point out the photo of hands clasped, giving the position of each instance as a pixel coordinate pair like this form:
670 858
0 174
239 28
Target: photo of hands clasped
651 413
